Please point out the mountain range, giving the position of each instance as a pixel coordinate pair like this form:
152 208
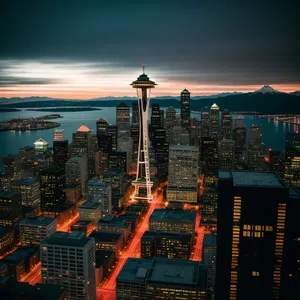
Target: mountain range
265 100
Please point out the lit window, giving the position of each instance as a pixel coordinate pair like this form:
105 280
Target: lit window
255 273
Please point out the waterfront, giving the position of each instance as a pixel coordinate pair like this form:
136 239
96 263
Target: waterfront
273 131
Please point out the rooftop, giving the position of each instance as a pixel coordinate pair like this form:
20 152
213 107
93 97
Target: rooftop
8 195
210 240
102 120
90 205
81 223
40 141
215 106
185 91
168 235
98 182
5 229
83 128
37 221
74 239
25 181
112 172
106 236
53 170
102 256
170 214
183 147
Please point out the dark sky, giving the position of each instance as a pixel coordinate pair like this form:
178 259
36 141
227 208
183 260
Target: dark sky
205 45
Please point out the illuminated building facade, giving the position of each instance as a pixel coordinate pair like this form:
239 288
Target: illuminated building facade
210 155
12 166
226 125
112 131
258 228
118 160
161 278
68 259
156 119
166 244
226 155
142 183
34 230
90 211
6 239
10 209
239 137
58 135
60 152
186 110
214 122
40 146
123 120
135 123
101 125
170 122
169 220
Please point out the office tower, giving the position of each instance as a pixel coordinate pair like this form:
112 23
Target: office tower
161 278
180 136
68 259
276 164
239 137
100 192
166 244
239 122
52 183
205 123
256 150
214 121
90 211
83 137
123 120
60 152
292 167
101 125
12 166
170 122
183 174
142 183
135 121
227 155
112 131
186 110
40 146
209 155
77 150
34 230
105 147
134 133
118 160
93 158
156 119
226 125
5 180
162 160
209 255
27 153
293 140
159 136
6 242
29 188
258 226
169 220
10 209
126 145
76 172
195 132
58 135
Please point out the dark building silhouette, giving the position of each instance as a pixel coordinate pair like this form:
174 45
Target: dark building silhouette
60 153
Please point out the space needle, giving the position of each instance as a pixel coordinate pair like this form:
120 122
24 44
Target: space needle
142 183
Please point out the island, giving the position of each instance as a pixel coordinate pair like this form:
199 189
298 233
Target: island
4 110
64 109
29 124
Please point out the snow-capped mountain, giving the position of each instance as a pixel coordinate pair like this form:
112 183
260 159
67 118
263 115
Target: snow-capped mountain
266 89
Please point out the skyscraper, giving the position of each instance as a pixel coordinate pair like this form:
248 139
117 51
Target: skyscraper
58 135
205 123
135 115
209 155
123 120
239 137
143 183
83 137
257 229
112 131
60 152
214 121
68 259
40 147
292 166
227 155
10 209
170 122
12 166
156 119
183 174
52 183
101 125
226 125
186 110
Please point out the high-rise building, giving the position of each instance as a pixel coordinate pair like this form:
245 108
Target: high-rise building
258 226
226 125
256 150
183 174
91 211
293 140
227 155
180 136
68 259
27 153
209 155
76 172
112 131
100 192
93 158
10 209
161 278
169 220
156 119
101 126
195 132
134 133
123 120
29 188
170 122
162 160
83 137
52 182
105 147
186 110
292 167
209 256
34 230
40 146
166 244
159 136
135 120
118 160
58 135
12 166
205 123
276 164
60 152
126 145
142 183
214 121
6 243
239 137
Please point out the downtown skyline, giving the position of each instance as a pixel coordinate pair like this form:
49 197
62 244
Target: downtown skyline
85 51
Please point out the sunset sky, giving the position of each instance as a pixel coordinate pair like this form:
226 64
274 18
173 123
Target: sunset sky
89 49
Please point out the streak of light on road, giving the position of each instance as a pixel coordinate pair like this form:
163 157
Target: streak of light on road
66 226
197 256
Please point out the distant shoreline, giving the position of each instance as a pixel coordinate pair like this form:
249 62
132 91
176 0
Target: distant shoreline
4 110
64 109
